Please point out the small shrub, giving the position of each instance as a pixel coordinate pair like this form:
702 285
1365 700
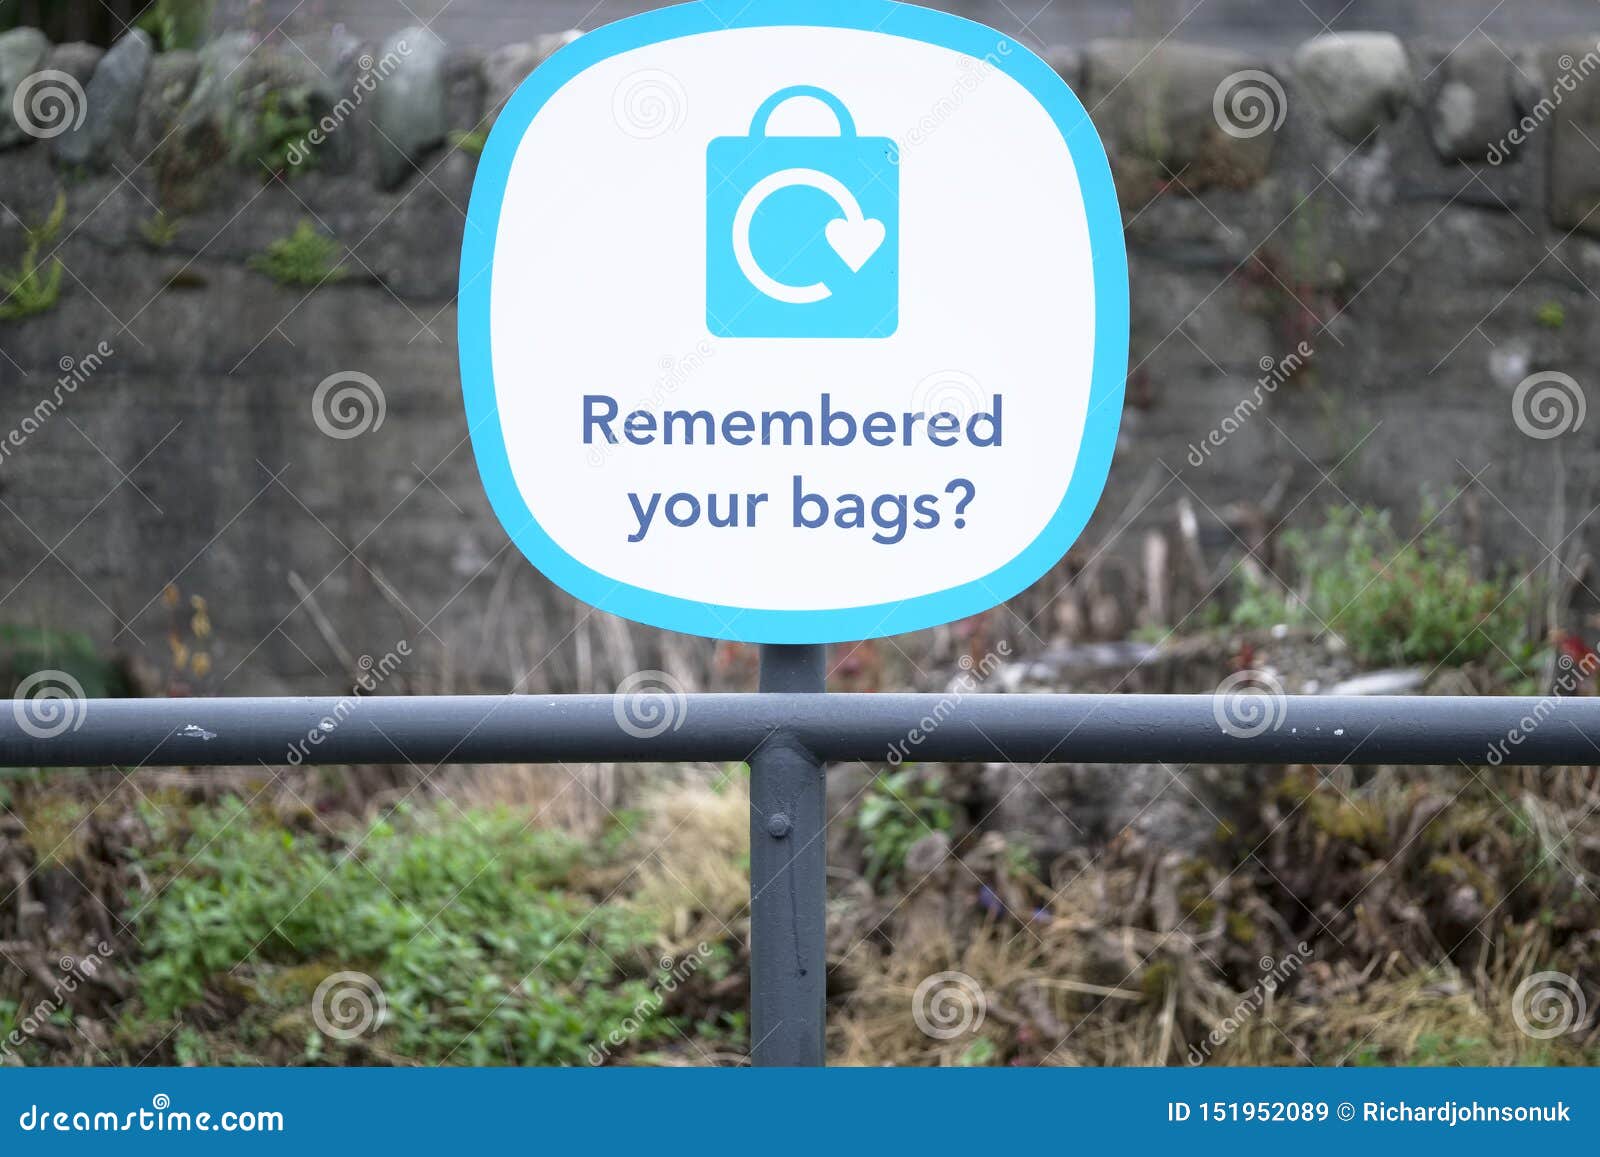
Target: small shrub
305 257
1392 600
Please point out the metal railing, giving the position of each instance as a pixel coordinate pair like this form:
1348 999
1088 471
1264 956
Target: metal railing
787 732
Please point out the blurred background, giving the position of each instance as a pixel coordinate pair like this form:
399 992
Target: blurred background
1363 241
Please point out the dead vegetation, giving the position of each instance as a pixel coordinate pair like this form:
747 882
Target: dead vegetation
1395 914
1305 915
1386 923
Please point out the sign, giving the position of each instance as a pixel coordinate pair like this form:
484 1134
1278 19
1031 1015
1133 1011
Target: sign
793 322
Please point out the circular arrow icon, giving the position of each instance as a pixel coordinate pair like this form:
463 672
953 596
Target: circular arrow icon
855 237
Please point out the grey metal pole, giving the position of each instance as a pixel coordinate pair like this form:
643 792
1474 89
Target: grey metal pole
1325 729
788 876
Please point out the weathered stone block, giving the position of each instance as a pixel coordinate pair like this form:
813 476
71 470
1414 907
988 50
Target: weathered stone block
22 53
77 60
166 90
409 109
214 98
1167 111
113 108
211 118
1473 109
1359 80
509 65
1570 112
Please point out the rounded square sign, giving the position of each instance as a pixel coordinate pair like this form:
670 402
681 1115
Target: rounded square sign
793 322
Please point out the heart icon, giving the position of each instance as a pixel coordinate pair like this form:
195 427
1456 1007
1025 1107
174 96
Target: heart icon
855 241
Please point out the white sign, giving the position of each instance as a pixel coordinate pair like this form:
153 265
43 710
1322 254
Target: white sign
793 322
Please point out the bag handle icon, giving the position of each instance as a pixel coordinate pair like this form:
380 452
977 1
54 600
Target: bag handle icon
758 125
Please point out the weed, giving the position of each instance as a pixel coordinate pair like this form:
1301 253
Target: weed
897 811
1551 315
30 288
1391 600
305 257
55 829
26 650
470 142
471 926
160 230
281 128
177 24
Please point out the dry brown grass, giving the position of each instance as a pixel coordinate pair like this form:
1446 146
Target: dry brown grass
691 857
1423 902
1426 897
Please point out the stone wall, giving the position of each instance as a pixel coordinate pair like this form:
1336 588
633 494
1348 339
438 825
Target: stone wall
1344 266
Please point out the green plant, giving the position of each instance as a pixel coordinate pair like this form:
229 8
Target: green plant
1391 599
159 230
897 811
305 257
471 925
282 125
1551 315
27 650
32 289
980 1053
177 24
470 142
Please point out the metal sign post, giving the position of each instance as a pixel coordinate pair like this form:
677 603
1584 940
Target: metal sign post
788 876
795 369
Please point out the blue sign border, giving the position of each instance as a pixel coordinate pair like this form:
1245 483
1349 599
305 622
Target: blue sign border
753 625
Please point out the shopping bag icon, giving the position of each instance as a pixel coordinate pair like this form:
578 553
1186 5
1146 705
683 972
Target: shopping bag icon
802 233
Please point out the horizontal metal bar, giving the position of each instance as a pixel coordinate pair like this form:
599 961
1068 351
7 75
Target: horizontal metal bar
660 728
